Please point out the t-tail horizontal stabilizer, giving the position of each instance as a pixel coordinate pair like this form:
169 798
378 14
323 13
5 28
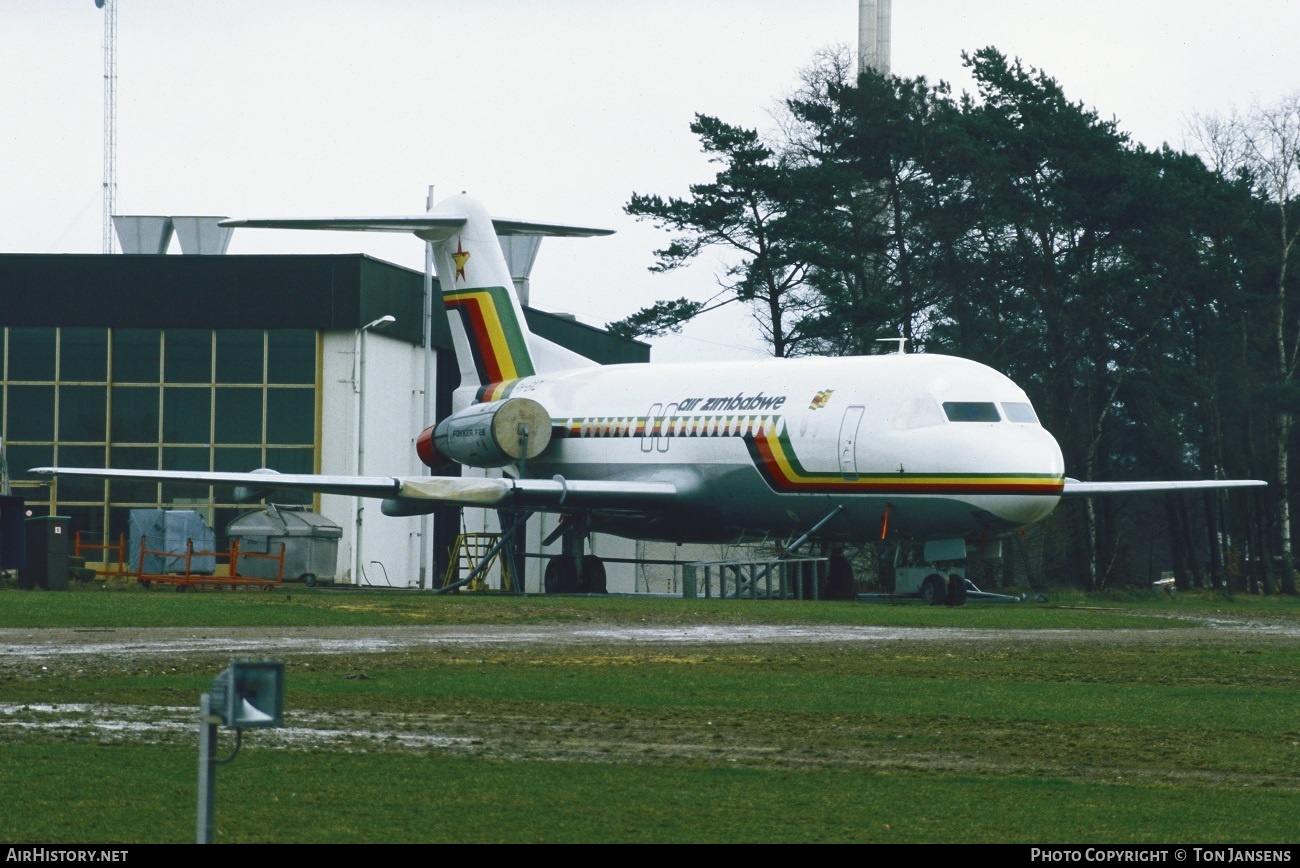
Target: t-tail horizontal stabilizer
493 343
434 226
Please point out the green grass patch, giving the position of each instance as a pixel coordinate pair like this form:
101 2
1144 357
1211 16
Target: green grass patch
1149 736
96 606
133 795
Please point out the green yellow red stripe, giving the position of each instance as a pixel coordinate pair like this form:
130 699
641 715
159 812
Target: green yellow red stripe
495 391
496 338
775 459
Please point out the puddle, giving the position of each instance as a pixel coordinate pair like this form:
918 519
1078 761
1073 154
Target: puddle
171 724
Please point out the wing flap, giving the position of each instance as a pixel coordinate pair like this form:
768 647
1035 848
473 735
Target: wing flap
547 494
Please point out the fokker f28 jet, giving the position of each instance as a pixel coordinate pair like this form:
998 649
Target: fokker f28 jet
910 447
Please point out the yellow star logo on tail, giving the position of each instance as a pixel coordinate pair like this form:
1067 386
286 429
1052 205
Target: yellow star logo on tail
461 256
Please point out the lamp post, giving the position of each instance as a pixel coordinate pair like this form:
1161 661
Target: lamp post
246 695
359 386
426 520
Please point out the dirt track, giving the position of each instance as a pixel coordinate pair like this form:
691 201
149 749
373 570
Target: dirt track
517 729
57 642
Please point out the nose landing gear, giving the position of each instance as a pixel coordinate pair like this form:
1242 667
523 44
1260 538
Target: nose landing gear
935 588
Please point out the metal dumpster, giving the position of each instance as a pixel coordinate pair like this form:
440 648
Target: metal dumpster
311 543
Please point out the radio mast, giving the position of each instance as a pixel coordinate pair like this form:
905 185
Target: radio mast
110 118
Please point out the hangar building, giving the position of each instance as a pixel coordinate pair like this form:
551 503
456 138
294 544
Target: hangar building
235 362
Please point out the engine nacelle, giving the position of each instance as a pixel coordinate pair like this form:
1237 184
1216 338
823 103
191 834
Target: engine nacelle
428 454
395 507
487 435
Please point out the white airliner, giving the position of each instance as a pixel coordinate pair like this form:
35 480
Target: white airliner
918 447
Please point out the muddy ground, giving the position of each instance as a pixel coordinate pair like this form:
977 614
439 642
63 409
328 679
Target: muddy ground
503 729
96 645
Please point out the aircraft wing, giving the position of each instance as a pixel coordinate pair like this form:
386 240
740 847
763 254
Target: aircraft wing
1075 488
505 492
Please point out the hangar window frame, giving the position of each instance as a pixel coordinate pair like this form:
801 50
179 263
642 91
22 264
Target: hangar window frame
77 422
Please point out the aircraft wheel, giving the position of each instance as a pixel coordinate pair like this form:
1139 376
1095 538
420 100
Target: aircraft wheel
309 580
839 578
956 590
561 577
932 590
593 575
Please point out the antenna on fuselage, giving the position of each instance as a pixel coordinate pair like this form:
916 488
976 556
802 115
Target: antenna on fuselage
901 342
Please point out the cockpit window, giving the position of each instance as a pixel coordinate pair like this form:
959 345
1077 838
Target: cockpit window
919 413
1019 411
971 411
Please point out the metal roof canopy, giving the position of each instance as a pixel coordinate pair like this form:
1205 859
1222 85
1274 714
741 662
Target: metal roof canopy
280 291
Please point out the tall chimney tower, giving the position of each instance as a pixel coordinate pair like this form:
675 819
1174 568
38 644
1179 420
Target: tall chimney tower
873 35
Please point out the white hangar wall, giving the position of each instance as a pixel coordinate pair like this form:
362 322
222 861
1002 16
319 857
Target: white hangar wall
392 387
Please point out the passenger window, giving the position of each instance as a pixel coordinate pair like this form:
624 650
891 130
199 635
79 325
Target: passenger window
971 411
1019 411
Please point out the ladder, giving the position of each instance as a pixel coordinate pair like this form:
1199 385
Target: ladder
468 552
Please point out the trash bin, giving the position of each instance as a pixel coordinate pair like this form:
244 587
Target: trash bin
311 544
13 532
47 553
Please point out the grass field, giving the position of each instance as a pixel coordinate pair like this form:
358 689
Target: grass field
1084 720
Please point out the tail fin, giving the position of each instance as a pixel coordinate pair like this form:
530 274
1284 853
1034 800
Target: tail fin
493 344
478 293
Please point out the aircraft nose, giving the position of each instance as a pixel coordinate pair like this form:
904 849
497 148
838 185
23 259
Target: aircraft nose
1028 451
1034 466
1004 449
1036 449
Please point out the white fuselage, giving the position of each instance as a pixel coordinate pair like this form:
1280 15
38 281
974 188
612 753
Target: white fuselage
920 446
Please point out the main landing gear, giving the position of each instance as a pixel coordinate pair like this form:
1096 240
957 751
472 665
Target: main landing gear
572 571
585 575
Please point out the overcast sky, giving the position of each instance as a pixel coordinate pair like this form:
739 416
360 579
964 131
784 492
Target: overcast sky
549 111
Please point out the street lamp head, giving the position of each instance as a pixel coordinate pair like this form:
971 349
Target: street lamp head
382 323
249 694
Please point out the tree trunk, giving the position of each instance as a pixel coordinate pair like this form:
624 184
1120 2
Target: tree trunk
1212 523
1177 545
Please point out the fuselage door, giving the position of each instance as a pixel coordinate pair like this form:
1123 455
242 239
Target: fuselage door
849 442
